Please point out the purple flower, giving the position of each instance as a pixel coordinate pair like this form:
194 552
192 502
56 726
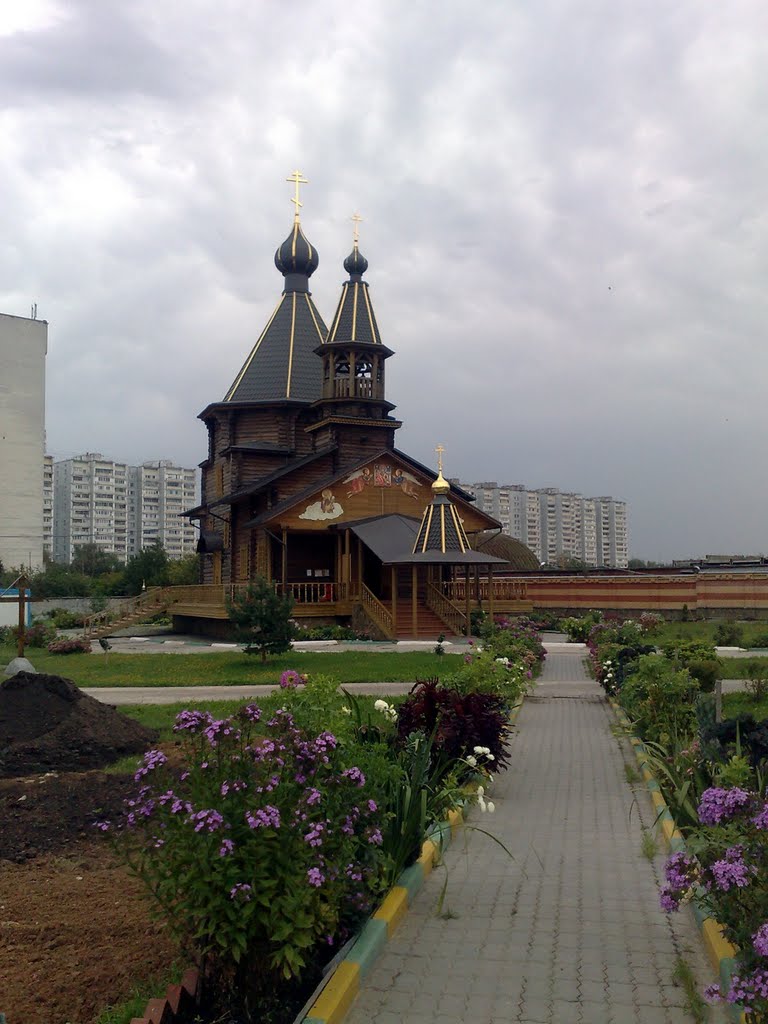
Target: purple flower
760 940
251 712
191 721
208 819
354 775
242 892
103 826
746 989
731 871
680 870
315 877
713 994
669 900
315 835
217 729
314 797
372 806
718 805
152 759
265 817
227 846
760 820
375 837
290 679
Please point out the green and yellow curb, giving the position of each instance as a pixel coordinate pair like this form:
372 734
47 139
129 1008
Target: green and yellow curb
335 1000
720 951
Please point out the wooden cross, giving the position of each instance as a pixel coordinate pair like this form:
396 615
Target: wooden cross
439 449
298 179
357 221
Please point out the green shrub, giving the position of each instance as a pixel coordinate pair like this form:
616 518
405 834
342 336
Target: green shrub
706 672
260 846
660 699
62 618
683 652
578 629
729 634
756 675
262 619
39 634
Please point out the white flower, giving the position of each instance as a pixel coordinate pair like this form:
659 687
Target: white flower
482 750
381 705
482 803
490 757
491 806
391 714
472 761
345 710
480 792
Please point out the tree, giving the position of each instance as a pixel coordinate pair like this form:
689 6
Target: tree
262 619
91 560
184 571
149 567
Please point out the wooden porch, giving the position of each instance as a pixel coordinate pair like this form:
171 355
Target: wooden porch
395 614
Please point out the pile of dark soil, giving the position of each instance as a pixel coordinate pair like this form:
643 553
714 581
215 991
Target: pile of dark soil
48 724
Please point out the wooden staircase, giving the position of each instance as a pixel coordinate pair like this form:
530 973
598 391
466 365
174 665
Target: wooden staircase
147 605
428 625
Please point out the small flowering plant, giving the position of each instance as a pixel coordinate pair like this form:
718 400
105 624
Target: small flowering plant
726 869
262 847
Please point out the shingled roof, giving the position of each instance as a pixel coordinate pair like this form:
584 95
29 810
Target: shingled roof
283 364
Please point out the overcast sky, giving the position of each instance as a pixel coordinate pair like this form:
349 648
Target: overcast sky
564 210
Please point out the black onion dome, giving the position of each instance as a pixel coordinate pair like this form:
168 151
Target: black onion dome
296 255
355 264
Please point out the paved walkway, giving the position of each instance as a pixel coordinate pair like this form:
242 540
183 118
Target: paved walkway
569 932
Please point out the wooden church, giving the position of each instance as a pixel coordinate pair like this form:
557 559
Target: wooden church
303 483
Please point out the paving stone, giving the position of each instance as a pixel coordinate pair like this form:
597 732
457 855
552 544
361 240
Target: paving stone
570 931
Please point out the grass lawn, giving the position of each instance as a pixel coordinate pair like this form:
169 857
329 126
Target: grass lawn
235 668
755 633
744 703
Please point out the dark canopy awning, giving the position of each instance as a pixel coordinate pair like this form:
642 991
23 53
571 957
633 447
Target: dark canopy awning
209 542
391 538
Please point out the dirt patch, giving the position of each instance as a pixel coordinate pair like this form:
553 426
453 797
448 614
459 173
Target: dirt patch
75 935
48 724
48 813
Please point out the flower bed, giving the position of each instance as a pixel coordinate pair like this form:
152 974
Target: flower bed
269 838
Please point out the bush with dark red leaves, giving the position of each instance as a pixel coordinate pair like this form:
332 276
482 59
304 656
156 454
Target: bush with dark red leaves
459 721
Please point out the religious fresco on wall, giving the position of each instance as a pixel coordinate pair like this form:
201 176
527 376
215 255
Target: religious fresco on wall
384 475
326 508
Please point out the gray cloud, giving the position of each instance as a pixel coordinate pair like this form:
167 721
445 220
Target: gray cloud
564 211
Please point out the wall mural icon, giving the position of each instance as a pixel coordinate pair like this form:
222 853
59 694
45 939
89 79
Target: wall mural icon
384 475
326 508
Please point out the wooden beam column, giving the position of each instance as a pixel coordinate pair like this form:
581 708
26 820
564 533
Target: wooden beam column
490 591
467 601
415 600
284 560
394 595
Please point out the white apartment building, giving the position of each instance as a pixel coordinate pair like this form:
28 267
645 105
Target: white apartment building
158 493
23 348
90 496
120 508
553 523
48 526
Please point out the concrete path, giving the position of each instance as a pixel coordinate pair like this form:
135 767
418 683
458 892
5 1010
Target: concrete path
569 932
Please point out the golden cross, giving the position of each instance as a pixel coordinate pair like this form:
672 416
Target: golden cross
357 220
298 179
439 451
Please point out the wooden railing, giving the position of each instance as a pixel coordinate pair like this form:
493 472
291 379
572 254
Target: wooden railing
314 592
148 603
503 590
451 614
376 612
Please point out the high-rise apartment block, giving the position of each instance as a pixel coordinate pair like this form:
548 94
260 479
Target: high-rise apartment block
23 347
48 506
556 524
158 494
120 508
